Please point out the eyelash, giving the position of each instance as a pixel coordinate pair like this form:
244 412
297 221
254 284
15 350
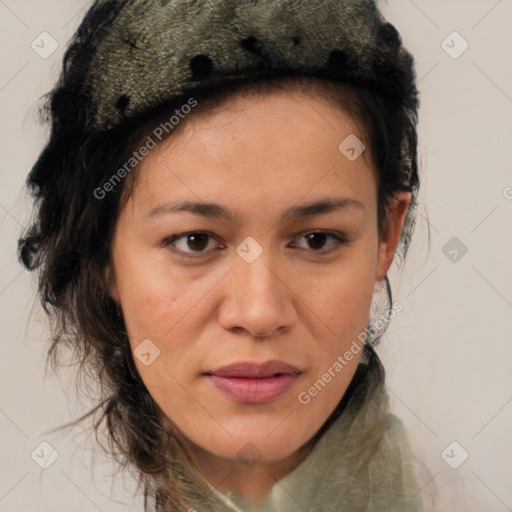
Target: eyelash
340 241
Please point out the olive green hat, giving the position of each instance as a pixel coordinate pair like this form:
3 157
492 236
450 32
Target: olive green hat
129 56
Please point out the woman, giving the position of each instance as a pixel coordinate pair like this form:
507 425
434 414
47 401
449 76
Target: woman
223 192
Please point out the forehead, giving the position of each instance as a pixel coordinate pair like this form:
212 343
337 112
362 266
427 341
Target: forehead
271 147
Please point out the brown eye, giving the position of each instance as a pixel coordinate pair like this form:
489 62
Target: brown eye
197 241
189 243
316 240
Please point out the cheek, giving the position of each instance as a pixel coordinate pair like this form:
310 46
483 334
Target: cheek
173 311
343 298
343 304
148 295
158 312
151 309
149 301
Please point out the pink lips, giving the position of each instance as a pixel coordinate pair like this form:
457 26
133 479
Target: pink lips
253 383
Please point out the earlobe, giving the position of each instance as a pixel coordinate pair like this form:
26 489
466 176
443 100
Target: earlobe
398 207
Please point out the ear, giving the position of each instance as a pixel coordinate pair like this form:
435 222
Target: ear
111 283
397 210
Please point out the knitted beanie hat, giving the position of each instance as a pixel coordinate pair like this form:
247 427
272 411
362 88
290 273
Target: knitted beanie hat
131 55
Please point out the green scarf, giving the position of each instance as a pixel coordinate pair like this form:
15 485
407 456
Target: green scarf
362 461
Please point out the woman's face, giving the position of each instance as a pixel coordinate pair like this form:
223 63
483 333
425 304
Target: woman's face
256 284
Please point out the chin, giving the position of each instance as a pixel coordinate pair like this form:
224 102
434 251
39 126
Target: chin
258 449
267 440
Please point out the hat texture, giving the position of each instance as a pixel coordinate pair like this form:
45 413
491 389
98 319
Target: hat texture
132 55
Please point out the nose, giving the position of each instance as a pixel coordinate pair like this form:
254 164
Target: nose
259 300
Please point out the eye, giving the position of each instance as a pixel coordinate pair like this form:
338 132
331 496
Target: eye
195 240
198 241
317 239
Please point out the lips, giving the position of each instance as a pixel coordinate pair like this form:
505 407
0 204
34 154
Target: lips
255 371
252 383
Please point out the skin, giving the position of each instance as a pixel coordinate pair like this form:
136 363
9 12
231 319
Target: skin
258 157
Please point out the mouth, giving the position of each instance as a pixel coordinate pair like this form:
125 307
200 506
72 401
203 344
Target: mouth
253 383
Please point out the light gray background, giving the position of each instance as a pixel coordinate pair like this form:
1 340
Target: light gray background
448 354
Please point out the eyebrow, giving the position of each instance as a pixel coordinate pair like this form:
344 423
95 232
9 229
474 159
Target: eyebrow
217 211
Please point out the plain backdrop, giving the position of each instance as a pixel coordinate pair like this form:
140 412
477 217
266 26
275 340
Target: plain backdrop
448 354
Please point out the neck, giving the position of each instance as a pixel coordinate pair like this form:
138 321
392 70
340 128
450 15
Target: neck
252 480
